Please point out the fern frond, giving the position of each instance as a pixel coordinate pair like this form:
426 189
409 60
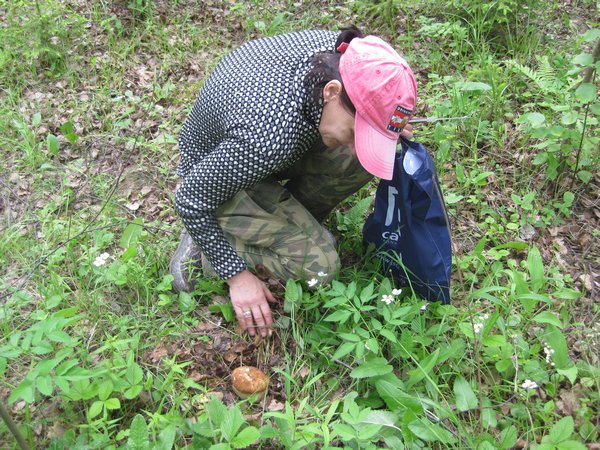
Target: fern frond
545 77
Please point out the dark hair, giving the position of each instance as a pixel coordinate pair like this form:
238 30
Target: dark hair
326 67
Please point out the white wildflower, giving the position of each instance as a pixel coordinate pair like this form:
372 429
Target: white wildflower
477 327
528 384
322 274
424 307
396 291
101 259
484 317
387 299
549 351
312 282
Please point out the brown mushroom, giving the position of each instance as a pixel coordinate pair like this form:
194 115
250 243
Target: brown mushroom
248 380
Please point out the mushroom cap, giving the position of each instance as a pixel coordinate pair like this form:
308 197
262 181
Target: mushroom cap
248 380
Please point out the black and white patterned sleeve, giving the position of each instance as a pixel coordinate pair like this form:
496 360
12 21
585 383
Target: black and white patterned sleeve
235 164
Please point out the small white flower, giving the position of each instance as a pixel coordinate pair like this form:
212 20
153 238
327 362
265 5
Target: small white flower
322 274
528 384
485 317
312 282
101 259
424 307
396 291
477 327
387 299
549 351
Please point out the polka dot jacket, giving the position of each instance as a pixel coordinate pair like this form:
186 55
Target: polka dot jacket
253 118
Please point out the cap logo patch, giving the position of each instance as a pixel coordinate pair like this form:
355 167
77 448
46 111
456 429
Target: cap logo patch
399 119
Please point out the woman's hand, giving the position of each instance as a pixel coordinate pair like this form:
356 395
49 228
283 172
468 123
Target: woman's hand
407 131
249 297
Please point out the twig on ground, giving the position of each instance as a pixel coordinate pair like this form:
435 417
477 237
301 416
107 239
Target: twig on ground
13 427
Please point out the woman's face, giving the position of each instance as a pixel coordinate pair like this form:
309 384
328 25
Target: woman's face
337 123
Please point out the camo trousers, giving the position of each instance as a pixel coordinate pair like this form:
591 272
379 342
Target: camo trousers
277 222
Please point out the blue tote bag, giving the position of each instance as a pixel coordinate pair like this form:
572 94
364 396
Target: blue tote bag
409 226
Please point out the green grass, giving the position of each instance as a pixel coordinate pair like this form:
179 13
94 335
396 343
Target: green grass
92 97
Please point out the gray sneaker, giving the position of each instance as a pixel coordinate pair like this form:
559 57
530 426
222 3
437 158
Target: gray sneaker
184 261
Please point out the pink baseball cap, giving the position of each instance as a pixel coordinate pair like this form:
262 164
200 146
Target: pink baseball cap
383 89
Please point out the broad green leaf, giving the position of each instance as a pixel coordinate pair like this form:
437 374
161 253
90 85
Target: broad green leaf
585 176
68 130
246 437
221 446
584 59
44 385
517 245
535 119
424 368
586 93
132 392
431 432
43 348
570 373
383 418
216 411
350 337
132 233
24 390
373 367
78 373
488 414
509 437
105 389
293 291
390 336
591 35
95 409
340 316
112 403
134 374
367 293
52 144
548 317
232 421
138 434
187 304
36 119
165 284
561 430
556 340
166 438
396 399
343 350
465 397
536 269
3 364
452 198
569 118
60 336
494 341
224 308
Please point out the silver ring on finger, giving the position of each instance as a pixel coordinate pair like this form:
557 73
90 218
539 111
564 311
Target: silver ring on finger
247 313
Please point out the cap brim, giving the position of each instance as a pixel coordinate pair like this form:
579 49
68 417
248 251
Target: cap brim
375 151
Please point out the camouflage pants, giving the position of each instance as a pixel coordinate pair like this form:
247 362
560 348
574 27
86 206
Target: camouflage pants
276 223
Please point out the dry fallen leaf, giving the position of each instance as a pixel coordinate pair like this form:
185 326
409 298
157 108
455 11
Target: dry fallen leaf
303 372
274 405
133 206
159 353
